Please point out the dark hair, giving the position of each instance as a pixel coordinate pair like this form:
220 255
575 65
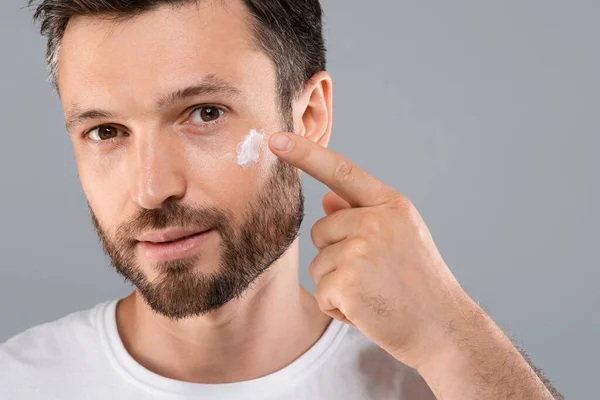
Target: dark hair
290 32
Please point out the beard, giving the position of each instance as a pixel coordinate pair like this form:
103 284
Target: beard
270 224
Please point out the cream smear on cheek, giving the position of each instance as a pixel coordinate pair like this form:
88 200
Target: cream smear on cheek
249 149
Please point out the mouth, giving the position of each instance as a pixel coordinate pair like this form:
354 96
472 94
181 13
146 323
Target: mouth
179 239
178 248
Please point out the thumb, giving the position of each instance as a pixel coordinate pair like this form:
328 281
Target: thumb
337 314
332 203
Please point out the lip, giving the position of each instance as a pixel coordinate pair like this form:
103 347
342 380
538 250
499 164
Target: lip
167 235
161 251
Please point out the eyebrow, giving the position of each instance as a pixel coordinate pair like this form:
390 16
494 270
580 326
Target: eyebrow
79 116
211 84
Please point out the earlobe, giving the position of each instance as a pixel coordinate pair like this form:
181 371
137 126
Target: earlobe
314 109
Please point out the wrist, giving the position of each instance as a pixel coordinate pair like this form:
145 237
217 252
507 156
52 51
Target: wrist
470 333
482 364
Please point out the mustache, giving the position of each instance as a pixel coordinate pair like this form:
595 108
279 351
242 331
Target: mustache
172 214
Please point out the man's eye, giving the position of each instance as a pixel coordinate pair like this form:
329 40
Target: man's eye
207 114
103 133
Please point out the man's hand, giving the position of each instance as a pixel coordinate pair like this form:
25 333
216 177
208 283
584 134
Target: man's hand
378 267
379 270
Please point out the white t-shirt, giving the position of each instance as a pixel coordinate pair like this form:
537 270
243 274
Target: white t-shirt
81 357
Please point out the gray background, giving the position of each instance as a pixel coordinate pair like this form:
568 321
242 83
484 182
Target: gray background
485 114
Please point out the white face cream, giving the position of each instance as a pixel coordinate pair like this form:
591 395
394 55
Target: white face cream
248 150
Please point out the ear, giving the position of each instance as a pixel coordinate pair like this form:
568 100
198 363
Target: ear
313 109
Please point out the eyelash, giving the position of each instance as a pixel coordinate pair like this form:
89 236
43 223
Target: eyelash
85 134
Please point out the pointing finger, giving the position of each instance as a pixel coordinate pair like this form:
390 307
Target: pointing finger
353 184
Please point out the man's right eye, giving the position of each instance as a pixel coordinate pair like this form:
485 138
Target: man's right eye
103 133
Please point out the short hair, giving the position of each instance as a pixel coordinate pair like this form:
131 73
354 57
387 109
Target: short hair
290 32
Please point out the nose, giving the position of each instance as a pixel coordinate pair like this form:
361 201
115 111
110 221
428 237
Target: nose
157 173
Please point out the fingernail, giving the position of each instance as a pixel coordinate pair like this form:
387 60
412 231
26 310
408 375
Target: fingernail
281 142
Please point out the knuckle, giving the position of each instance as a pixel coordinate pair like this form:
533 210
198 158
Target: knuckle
313 234
411 213
305 153
319 294
344 171
316 233
370 223
324 291
403 203
358 247
406 209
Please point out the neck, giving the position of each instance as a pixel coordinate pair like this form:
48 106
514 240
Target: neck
274 323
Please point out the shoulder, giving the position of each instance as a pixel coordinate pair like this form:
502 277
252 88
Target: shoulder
52 336
46 348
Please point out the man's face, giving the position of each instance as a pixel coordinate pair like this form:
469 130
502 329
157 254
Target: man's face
175 91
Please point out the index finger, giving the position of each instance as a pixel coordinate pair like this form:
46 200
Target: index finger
353 184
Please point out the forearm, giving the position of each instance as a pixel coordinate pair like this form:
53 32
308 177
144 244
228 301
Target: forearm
557 395
480 362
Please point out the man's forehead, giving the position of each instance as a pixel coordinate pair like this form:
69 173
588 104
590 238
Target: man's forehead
176 40
156 59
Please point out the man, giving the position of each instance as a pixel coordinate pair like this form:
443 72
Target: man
181 115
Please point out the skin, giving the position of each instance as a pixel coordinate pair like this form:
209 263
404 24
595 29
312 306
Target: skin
377 268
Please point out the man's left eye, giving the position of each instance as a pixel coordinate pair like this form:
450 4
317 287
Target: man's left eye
207 114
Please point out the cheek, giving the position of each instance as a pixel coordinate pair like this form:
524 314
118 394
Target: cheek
219 172
105 194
